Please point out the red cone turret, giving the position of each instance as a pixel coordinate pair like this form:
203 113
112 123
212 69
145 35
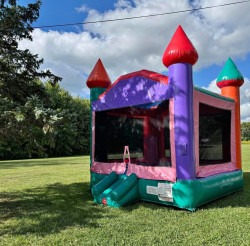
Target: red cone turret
98 78
180 50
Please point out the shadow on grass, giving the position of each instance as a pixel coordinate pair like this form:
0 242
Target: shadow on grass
53 208
48 209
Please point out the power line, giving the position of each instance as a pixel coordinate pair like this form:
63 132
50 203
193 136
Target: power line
142 16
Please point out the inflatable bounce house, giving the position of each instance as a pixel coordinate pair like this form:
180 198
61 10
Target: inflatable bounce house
160 139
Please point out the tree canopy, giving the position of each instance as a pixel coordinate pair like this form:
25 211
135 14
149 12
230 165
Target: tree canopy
19 68
245 131
57 127
37 119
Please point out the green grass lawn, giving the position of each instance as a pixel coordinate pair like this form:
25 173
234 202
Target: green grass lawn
48 202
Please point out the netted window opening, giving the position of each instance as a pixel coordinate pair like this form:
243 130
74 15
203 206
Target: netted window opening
214 135
144 128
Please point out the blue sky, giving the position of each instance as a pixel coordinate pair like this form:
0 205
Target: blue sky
65 11
127 46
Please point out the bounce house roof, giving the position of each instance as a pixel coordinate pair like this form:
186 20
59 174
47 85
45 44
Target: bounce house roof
157 77
142 87
213 94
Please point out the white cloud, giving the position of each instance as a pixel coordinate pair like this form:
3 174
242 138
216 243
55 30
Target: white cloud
123 4
245 101
213 87
82 9
126 46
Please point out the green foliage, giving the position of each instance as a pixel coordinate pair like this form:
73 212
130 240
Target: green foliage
19 69
20 137
37 120
57 126
245 131
71 135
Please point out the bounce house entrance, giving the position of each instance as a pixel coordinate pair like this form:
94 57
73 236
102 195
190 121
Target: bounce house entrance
144 128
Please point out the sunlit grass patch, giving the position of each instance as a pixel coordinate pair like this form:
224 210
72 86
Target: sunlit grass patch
48 202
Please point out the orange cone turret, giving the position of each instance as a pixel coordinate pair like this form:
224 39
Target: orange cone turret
230 80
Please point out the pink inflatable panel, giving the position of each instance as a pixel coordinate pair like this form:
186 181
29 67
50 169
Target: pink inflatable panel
152 172
208 170
107 168
144 172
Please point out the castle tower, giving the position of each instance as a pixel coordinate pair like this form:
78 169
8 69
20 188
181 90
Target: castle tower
229 81
98 81
179 56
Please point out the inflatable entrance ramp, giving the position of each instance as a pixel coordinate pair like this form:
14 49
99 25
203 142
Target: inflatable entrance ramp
117 190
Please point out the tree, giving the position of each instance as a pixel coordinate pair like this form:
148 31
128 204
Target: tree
19 68
245 131
71 134
36 119
22 95
58 126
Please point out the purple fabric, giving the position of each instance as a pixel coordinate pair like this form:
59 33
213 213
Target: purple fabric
180 77
133 91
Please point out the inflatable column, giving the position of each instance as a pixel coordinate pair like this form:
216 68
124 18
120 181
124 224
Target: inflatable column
179 57
229 81
98 81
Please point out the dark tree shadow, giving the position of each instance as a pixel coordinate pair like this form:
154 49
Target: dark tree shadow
49 209
53 208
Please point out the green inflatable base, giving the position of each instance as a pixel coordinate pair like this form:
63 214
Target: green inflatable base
120 190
